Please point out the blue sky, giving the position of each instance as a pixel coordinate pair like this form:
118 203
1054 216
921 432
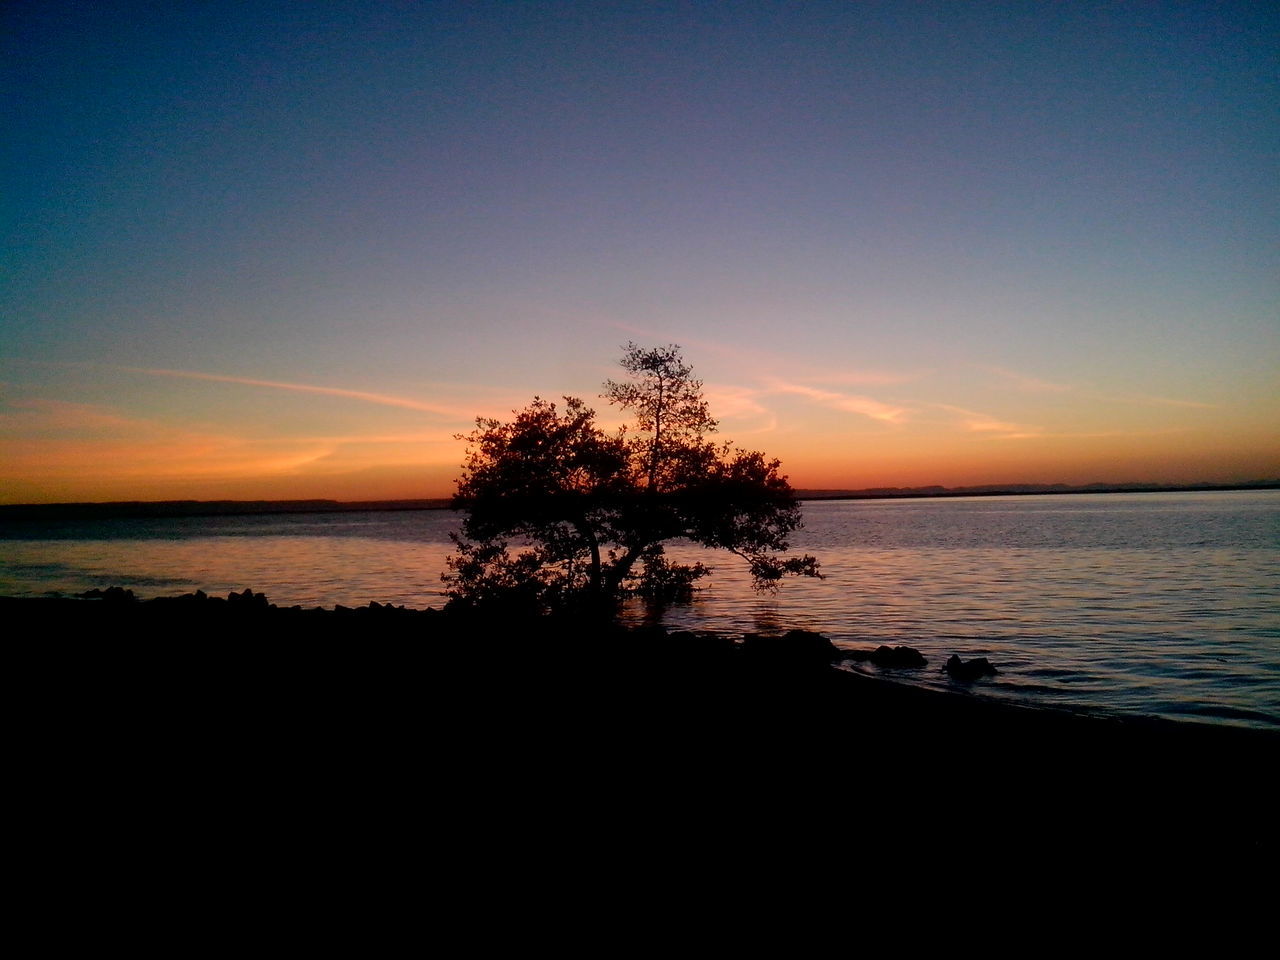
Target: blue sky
903 243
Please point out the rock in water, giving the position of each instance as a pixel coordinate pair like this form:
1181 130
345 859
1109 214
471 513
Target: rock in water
969 670
898 657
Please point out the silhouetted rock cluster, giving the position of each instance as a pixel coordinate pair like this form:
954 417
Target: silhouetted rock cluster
111 594
795 648
235 619
909 658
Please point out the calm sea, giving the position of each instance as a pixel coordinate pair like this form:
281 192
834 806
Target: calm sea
1157 603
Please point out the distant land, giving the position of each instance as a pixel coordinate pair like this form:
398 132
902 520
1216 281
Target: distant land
214 508
1027 489
143 509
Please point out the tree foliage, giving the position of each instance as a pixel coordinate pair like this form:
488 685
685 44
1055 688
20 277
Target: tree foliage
561 514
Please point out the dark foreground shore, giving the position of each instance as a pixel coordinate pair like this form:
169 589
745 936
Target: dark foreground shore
178 765
233 689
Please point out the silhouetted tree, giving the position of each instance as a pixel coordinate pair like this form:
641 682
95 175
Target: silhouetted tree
562 515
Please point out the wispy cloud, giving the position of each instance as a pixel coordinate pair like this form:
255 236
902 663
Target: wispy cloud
1029 384
77 445
847 402
738 401
431 436
881 378
1110 434
977 422
739 409
760 361
53 438
733 401
1026 383
48 415
366 396
997 429
1155 401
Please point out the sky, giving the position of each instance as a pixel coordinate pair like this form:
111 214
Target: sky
292 250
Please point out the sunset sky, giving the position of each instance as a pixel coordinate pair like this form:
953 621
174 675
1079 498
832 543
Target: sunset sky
270 250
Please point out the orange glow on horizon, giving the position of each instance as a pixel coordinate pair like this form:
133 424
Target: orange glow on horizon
216 439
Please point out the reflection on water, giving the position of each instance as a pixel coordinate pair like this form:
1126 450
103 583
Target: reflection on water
1157 603
306 570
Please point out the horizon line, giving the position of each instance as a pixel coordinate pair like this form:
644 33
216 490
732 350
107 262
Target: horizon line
801 494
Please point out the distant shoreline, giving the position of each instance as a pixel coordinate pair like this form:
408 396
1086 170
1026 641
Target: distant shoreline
1028 490
160 509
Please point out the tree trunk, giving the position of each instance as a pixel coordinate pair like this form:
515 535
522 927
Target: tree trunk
597 578
656 452
623 567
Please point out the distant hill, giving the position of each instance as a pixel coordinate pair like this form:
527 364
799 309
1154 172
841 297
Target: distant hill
1025 489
